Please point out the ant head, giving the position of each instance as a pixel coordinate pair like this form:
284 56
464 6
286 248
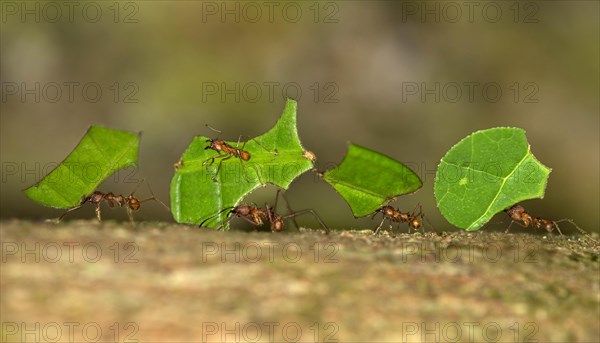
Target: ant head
95 198
415 223
387 210
547 225
216 144
133 202
244 155
277 225
241 210
515 212
213 143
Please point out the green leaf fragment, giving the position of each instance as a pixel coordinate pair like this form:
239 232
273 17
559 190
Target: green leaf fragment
277 158
100 153
485 173
367 179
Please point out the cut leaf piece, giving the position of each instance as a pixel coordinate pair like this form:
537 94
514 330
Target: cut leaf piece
367 179
276 157
485 173
100 153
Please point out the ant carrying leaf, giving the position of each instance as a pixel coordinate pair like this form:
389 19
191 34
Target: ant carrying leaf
414 219
257 216
522 218
198 192
220 145
130 202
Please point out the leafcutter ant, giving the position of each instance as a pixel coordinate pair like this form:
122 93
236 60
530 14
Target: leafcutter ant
522 218
130 202
414 219
257 216
220 145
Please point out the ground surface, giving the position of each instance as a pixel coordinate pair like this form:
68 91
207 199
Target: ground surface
84 281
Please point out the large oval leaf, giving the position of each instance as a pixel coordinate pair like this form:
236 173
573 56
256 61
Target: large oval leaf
100 153
367 179
277 158
485 173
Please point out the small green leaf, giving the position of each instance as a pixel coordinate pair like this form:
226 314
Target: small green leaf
367 179
485 173
99 154
277 158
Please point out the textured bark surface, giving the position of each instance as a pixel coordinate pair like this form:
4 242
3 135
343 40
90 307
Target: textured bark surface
158 282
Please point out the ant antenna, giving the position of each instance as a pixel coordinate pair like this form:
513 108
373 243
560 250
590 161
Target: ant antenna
422 216
216 214
212 128
138 186
572 223
153 197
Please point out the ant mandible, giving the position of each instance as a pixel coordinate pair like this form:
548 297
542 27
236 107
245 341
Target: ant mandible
414 221
522 218
257 216
130 202
220 145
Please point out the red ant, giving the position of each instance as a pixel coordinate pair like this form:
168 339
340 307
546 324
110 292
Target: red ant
130 202
522 218
257 216
220 145
415 221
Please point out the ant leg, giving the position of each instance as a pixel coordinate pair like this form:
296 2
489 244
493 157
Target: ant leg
379 226
130 215
428 222
243 170
69 210
98 214
496 223
214 178
415 210
422 216
509 225
557 228
299 213
248 220
514 222
212 159
287 205
274 151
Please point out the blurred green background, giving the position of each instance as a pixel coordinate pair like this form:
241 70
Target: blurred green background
381 74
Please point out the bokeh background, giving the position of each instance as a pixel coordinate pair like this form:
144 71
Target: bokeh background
382 74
